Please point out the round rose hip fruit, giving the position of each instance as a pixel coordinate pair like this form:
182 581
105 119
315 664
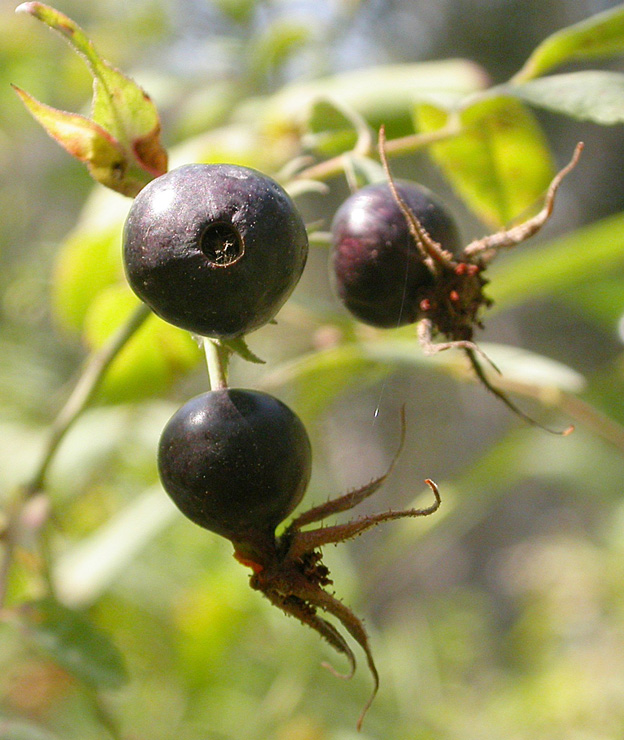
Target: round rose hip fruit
236 462
378 270
214 248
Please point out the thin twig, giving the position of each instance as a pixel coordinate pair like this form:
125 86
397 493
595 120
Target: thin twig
394 147
83 392
581 411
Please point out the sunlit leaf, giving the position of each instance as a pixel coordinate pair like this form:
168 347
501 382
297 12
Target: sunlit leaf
75 643
82 138
87 262
499 163
156 355
602 35
210 617
383 94
591 96
122 113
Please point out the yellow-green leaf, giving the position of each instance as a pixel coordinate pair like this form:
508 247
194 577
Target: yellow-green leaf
120 108
83 139
88 262
156 355
499 164
602 35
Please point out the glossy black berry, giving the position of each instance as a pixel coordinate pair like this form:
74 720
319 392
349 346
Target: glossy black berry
215 249
378 271
236 462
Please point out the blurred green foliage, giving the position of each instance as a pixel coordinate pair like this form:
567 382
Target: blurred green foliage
503 615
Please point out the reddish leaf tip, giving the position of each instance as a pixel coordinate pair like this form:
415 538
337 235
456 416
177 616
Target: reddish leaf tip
27 8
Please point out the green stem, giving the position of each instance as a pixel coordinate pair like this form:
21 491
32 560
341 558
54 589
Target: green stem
394 147
217 360
83 393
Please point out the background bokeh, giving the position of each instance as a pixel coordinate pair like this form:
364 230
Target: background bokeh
503 616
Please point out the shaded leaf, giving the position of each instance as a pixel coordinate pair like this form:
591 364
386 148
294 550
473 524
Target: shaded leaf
238 10
364 170
279 42
330 130
591 96
560 265
499 163
11 729
85 571
121 112
515 363
75 643
319 377
602 35
600 300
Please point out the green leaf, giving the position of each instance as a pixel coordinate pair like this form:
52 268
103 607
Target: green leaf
578 259
122 115
154 358
318 378
500 163
238 10
383 94
601 300
89 568
279 42
364 170
75 643
590 96
87 262
602 35
330 130
239 346
90 296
